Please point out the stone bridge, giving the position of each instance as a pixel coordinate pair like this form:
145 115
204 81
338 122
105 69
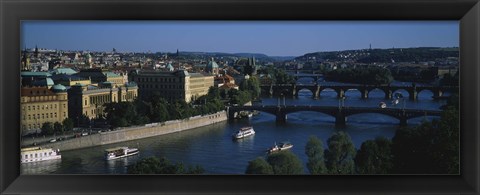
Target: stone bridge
340 113
291 90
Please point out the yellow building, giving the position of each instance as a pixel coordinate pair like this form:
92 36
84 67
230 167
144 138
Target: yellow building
172 85
40 105
89 100
100 76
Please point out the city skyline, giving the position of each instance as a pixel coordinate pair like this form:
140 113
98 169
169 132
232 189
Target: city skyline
273 38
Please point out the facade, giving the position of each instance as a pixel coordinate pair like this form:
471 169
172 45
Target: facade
171 85
99 76
40 105
89 100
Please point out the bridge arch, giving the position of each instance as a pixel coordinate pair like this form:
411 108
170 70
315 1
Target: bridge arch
426 94
353 92
376 93
305 90
318 116
386 118
404 92
328 92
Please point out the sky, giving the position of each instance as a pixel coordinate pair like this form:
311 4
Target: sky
273 38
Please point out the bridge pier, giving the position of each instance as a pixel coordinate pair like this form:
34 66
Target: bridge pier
281 117
340 93
340 120
413 94
364 93
388 94
403 121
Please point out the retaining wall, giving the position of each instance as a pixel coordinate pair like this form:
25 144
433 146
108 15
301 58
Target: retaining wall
139 132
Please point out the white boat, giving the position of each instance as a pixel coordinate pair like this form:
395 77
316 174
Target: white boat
35 154
279 147
395 101
243 132
382 105
120 152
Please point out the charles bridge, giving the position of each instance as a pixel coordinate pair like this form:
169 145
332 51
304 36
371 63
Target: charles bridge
339 113
291 90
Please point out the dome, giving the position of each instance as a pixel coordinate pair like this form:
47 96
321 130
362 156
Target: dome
169 67
211 66
59 88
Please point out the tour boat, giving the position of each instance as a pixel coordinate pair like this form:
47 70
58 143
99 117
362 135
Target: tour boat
382 105
35 154
244 132
279 147
120 152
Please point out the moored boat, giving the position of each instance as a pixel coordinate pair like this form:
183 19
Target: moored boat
243 132
120 152
35 154
279 147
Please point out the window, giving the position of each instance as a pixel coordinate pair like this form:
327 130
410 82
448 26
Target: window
55 115
29 117
33 107
26 155
28 107
43 115
85 102
51 115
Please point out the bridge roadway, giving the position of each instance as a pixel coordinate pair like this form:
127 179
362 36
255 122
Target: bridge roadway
293 89
340 113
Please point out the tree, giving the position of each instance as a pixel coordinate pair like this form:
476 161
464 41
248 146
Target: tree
340 154
285 163
375 157
67 124
154 165
47 128
411 148
314 152
57 128
259 166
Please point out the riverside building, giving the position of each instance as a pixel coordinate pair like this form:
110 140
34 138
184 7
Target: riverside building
172 86
89 100
40 105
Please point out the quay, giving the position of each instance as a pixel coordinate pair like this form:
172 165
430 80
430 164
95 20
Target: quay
137 132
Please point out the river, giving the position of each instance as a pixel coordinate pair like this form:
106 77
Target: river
213 148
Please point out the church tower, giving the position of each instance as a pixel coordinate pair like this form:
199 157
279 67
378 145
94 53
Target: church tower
25 61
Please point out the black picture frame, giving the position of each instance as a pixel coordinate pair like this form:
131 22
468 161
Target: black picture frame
12 12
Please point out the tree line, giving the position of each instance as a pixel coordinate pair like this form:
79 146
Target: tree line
372 75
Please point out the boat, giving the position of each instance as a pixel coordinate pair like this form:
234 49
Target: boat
243 132
279 147
395 102
35 154
382 105
120 152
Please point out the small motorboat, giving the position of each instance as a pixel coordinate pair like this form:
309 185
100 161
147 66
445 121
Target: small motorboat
279 147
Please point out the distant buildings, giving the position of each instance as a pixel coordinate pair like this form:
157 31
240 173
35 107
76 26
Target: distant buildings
171 85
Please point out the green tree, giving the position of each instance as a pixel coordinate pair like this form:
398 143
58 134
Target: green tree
285 163
154 165
259 166
47 128
57 128
314 152
67 124
340 154
375 157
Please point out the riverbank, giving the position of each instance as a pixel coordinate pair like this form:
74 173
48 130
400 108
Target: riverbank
138 132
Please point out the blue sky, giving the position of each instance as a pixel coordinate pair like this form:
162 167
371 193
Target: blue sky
274 38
